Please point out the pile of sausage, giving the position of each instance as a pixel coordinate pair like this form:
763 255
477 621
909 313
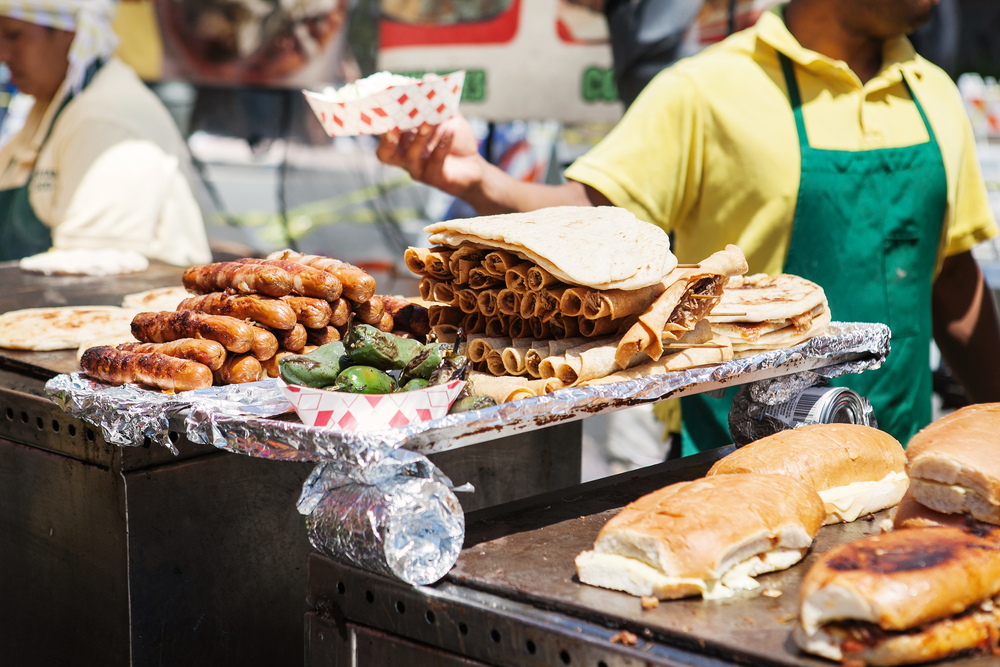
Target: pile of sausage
245 316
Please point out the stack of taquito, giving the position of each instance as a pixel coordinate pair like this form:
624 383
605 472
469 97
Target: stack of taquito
569 296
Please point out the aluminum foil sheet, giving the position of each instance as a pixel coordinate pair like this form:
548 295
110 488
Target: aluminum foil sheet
849 348
129 415
241 418
396 517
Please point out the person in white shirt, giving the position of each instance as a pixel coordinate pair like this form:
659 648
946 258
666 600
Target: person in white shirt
99 162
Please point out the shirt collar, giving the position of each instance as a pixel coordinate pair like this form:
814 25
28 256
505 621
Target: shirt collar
898 54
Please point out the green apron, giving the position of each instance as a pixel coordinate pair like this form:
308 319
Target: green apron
22 234
867 229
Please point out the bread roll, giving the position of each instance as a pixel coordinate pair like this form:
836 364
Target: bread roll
902 597
953 463
855 469
706 537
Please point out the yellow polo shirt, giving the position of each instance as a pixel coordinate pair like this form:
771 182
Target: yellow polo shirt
709 149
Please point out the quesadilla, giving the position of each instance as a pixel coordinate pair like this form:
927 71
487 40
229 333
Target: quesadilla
762 312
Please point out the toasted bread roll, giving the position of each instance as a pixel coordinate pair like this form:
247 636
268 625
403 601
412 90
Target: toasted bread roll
856 470
706 537
953 465
902 597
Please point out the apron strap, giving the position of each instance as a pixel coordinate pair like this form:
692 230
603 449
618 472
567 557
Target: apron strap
794 97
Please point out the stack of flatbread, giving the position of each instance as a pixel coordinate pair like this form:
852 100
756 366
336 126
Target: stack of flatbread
762 312
63 328
569 296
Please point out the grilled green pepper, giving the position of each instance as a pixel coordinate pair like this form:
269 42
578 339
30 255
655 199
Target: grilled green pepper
467 403
426 361
416 384
319 368
365 380
455 366
367 345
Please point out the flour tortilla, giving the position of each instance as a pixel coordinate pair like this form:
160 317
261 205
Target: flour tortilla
599 247
787 337
678 361
506 388
764 298
66 328
156 300
647 334
86 262
751 332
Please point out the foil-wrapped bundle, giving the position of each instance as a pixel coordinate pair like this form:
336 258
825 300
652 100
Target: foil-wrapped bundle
397 517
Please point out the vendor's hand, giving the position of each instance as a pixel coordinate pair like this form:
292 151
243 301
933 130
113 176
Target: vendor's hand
445 156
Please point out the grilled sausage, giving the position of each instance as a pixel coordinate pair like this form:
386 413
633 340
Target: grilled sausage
306 280
235 335
322 336
358 285
274 313
271 365
239 368
407 316
265 344
341 312
386 323
309 312
207 352
294 339
118 367
244 278
370 312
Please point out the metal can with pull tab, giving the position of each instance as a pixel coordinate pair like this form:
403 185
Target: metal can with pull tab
750 420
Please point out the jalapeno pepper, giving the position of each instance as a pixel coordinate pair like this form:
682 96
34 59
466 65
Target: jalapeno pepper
416 384
467 403
455 366
319 368
365 380
426 361
367 345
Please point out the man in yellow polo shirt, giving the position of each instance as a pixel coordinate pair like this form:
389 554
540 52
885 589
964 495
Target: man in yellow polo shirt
822 145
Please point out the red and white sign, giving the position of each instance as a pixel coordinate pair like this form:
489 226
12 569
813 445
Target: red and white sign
370 412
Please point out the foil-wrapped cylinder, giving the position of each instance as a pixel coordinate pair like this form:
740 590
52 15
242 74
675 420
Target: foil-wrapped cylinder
400 520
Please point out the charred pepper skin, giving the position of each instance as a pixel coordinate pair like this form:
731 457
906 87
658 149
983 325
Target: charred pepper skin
367 345
365 380
415 384
426 361
317 369
467 403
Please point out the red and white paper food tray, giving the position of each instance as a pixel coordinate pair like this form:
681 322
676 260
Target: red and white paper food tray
370 412
404 107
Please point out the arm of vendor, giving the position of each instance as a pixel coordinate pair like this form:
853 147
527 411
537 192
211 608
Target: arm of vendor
99 162
820 144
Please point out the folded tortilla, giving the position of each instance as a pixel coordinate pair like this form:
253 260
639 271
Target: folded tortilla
467 300
790 336
508 388
444 292
539 278
513 356
598 247
678 361
573 298
488 302
479 278
689 295
480 346
498 262
509 302
620 303
516 278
